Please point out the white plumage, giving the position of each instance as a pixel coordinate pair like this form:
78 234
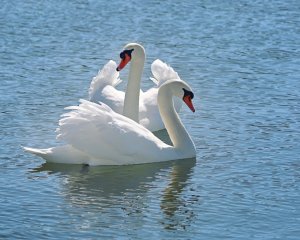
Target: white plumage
96 135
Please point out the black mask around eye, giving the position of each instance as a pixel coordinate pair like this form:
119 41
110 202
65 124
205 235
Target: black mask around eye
126 52
188 93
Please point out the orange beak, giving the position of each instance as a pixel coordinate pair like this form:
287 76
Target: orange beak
124 62
189 103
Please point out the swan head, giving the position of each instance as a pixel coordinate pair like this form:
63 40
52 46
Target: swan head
187 98
181 90
131 52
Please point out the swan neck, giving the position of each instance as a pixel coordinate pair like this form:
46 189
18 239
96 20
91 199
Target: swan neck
132 94
179 136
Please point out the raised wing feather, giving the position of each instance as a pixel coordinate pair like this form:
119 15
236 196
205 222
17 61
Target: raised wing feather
162 72
106 76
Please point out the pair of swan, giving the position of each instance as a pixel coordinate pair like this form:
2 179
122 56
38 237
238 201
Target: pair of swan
138 105
97 135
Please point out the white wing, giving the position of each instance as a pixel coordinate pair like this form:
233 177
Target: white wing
107 76
162 72
149 115
101 133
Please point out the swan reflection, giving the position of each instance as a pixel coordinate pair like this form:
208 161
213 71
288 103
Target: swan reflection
127 189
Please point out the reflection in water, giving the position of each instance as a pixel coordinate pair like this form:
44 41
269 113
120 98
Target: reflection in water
172 200
125 189
101 181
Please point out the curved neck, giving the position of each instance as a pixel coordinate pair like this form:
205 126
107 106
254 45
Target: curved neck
132 94
179 136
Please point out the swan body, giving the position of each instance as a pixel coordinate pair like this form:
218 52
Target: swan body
134 103
96 135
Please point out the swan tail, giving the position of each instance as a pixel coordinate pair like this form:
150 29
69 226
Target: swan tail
162 72
39 152
106 76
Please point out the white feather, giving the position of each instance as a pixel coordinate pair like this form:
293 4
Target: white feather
103 134
162 72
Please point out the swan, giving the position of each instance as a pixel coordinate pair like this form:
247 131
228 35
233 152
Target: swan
96 135
134 103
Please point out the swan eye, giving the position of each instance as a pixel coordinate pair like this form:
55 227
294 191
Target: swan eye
188 93
126 58
122 55
126 52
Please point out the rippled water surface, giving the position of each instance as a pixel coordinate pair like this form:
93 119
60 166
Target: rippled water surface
241 58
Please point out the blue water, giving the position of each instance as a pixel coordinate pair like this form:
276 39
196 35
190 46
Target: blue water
242 60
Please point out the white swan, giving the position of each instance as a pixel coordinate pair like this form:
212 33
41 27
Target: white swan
99 136
138 105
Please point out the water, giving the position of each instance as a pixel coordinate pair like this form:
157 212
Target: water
242 60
